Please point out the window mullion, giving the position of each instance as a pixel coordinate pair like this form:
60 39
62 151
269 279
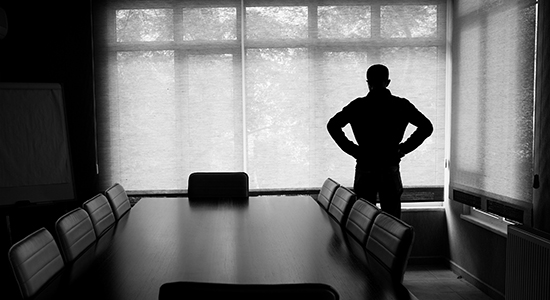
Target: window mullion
179 84
241 16
374 54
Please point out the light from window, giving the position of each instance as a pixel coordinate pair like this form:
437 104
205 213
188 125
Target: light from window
337 22
210 24
276 22
409 21
185 90
144 25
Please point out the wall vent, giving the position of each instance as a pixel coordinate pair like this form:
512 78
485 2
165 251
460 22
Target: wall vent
504 210
468 199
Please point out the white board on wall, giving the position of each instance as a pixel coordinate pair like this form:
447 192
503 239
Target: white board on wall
35 161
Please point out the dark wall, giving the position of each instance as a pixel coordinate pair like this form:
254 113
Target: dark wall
51 42
476 253
431 242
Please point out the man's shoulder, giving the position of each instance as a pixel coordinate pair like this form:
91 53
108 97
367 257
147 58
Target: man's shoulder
400 101
357 101
362 101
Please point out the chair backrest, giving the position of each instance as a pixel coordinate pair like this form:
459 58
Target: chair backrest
360 220
100 212
35 260
218 185
389 245
118 199
211 291
75 232
341 204
327 192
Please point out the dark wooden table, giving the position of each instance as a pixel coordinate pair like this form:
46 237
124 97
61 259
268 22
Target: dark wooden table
262 240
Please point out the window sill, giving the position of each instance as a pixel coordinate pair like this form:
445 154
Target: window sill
422 206
423 196
493 225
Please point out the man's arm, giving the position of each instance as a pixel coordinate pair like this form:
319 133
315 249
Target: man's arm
334 126
424 129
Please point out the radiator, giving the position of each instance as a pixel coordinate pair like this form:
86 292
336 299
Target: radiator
527 264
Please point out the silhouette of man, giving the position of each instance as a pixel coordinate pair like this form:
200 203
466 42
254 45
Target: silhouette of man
378 122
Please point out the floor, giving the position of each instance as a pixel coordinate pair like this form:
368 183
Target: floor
440 283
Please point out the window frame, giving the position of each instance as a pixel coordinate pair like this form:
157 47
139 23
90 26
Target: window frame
316 46
488 210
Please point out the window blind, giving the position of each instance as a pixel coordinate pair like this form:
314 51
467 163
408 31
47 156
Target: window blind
186 86
493 96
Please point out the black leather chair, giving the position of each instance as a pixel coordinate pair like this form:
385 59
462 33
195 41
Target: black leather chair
360 220
389 245
35 260
217 185
118 199
341 204
359 224
75 232
327 192
211 291
100 212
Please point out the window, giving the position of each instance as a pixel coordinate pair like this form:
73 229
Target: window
493 106
249 86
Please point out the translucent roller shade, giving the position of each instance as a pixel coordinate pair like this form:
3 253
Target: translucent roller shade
493 96
187 86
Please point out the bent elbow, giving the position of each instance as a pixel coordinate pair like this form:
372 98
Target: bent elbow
429 129
331 126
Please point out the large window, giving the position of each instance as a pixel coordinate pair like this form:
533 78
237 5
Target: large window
249 86
493 105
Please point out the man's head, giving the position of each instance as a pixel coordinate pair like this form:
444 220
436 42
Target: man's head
378 76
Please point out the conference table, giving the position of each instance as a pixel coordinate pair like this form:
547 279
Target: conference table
261 240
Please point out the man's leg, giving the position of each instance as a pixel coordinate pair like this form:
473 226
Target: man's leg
391 190
365 185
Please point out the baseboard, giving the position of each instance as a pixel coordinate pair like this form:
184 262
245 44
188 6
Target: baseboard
480 284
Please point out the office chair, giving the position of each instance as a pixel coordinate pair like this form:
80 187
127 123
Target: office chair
327 192
35 260
75 232
99 210
341 204
118 199
389 245
218 185
360 220
358 226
